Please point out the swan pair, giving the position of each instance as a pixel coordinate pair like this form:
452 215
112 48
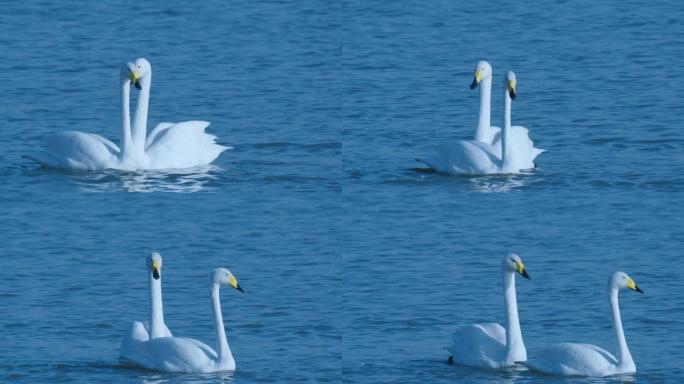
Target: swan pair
494 150
152 346
492 346
168 146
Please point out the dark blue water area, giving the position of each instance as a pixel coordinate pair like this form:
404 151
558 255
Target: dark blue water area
597 88
74 245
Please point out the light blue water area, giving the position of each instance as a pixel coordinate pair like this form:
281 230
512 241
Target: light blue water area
597 87
73 245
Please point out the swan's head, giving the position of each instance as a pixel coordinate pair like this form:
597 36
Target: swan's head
513 263
509 83
137 70
620 280
154 264
223 276
482 71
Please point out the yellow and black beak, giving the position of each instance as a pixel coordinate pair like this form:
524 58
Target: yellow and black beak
155 270
632 285
477 77
511 89
520 268
233 283
135 81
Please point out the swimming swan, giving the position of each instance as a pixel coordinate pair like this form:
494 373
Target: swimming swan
524 153
140 332
169 146
490 345
177 354
572 359
473 157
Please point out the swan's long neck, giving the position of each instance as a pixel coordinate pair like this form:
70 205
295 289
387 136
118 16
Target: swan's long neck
224 354
624 357
483 123
126 139
141 108
156 310
515 348
506 144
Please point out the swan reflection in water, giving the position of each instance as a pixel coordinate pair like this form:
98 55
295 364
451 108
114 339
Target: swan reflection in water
179 180
217 377
500 183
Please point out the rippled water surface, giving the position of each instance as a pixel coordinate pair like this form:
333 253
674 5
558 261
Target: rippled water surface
73 245
597 87
357 262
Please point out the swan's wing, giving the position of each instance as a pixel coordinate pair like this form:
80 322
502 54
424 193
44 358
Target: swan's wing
77 150
496 135
152 137
132 340
573 359
467 157
479 345
183 145
524 151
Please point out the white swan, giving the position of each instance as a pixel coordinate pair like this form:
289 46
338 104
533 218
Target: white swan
474 157
572 359
177 354
524 153
138 331
490 345
169 146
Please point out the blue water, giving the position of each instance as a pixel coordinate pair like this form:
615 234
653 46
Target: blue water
73 246
597 87
357 263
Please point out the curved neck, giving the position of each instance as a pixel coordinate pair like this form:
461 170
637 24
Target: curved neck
624 357
141 108
514 341
506 144
156 310
221 341
126 140
483 125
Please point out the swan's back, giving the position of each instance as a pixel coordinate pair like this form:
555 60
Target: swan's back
464 157
479 345
524 152
574 359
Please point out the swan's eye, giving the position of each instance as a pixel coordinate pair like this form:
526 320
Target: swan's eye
138 67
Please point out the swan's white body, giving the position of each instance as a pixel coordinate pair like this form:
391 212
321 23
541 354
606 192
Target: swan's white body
573 359
476 157
483 155
169 145
491 345
179 354
156 327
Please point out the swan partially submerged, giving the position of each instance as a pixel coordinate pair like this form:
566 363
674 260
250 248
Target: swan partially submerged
474 157
179 354
168 146
573 359
480 155
490 345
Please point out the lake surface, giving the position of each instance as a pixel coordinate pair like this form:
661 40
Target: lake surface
596 87
74 245
357 263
